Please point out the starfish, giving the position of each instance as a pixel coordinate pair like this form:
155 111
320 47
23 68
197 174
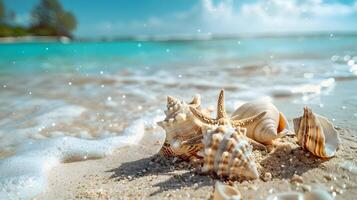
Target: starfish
222 118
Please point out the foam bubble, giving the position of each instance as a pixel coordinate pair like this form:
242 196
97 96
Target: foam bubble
24 175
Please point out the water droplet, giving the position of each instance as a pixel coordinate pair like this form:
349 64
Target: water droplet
308 75
123 96
46 48
102 86
180 76
343 107
199 30
351 62
334 58
4 86
305 98
101 72
140 107
168 50
30 93
321 105
334 194
346 58
139 44
109 98
53 124
69 83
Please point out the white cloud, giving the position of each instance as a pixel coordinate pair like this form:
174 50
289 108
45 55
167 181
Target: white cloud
281 16
261 16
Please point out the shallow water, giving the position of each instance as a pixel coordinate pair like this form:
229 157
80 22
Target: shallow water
96 90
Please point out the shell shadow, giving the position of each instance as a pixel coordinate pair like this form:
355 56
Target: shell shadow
285 161
180 174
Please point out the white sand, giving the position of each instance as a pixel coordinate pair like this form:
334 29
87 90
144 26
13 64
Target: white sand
130 173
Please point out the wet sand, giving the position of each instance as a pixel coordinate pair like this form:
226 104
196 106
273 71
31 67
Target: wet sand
136 173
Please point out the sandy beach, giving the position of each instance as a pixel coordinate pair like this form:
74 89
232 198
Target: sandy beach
136 173
86 130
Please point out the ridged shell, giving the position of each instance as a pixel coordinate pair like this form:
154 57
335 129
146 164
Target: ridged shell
225 192
183 130
316 134
271 126
227 152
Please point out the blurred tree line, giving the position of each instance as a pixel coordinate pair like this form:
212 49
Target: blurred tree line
48 18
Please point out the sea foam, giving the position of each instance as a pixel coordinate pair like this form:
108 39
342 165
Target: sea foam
24 175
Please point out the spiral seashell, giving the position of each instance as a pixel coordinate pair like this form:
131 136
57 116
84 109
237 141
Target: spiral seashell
183 130
269 127
225 192
227 152
316 134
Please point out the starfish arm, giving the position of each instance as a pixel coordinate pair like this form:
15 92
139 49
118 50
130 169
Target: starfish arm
221 110
202 117
196 101
247 121
257 145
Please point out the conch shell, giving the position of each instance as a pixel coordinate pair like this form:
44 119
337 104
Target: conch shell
183 130
271 126
316 134
225 192
227 152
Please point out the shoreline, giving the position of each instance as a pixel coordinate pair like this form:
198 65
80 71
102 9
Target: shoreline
173 38
34 39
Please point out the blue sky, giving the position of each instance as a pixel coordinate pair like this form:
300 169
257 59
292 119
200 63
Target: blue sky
109 18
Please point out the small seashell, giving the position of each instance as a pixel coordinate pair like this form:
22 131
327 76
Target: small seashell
271 126
183 130
306 188
296 179
316 134
225 192
267 177
317 194
286 196
227 152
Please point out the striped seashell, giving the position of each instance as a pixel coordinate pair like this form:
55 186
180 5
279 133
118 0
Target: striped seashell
227 152
269 127
225 192
316 134
183 130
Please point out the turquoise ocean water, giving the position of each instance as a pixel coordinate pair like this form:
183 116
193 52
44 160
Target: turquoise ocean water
112 56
